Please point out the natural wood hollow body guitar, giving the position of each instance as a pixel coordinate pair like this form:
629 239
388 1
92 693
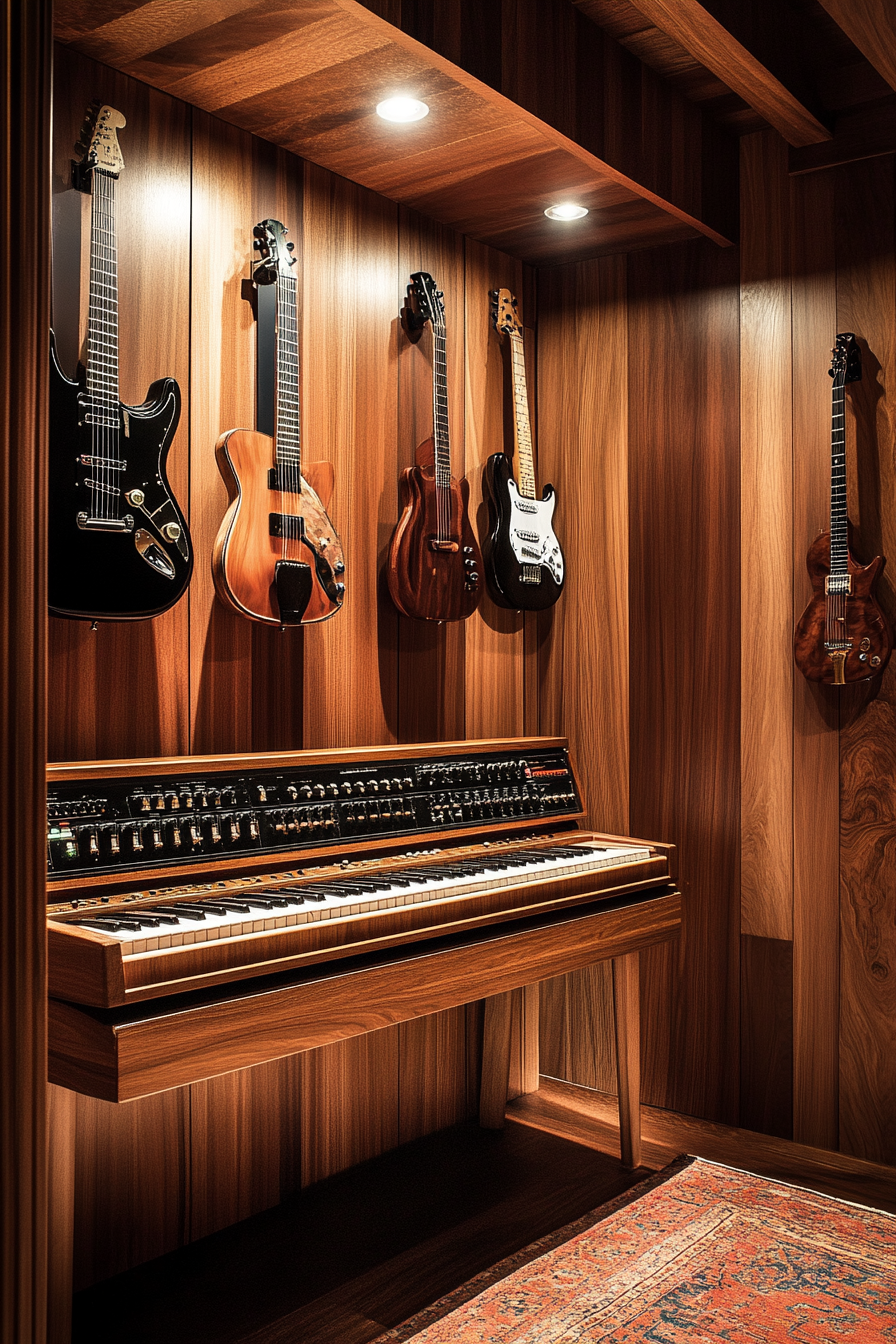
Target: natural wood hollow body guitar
246 556
277 557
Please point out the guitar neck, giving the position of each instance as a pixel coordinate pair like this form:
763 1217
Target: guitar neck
522 430
102 321
440 436
287 427
839 544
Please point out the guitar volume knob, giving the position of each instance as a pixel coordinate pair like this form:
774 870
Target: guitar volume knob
171 531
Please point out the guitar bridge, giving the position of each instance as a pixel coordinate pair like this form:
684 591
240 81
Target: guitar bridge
444 545
531 574
89 524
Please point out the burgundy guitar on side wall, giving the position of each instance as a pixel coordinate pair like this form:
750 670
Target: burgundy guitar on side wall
434 563
842 635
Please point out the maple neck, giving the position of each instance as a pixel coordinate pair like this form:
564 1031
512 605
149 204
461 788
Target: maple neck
102 320
440 436
839 540
522 430
287 431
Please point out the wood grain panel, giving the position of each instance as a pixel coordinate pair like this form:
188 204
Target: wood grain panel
117 691
870 25
25 68
866 302
766 409
222 398
493 636
349 1103
717 47
766 1035
684 510
131 1182
349 343
583 642
815 709
245 1144
309 79
432 1069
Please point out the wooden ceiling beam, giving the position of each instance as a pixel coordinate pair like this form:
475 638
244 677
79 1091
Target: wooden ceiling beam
714 35
871 26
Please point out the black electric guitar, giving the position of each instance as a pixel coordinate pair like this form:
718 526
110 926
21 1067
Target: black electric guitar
119 549
523 561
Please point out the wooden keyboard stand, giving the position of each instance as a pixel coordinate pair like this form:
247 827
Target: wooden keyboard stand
126 1053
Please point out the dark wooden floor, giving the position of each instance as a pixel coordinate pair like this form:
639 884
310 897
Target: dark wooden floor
362 1251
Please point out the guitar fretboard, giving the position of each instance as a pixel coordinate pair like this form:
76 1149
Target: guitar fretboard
838 479
287 433
525 467
102 322
440 435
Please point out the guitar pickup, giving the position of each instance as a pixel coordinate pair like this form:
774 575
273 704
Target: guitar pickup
838 583
286 525
444 545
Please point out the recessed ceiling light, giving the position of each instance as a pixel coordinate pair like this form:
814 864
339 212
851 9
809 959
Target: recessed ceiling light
402 109
566 212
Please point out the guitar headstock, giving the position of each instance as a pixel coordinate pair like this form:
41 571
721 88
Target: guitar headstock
504 312
274 252
425 300
98 143
846 365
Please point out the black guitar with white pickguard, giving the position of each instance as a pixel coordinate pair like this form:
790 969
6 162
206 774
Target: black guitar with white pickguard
119 548
524 565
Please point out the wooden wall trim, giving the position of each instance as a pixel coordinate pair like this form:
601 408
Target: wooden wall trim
24 320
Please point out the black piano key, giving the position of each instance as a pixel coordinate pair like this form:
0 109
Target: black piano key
181 911
108 925
226 906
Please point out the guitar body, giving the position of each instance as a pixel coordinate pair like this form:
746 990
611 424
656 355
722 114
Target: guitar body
523 560
100 575
426 583
288 579
865 626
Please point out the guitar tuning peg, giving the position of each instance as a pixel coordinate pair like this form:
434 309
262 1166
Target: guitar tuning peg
256 245
290 247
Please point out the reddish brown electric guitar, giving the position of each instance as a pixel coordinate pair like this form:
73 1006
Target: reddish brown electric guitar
842 635
434 567
277 557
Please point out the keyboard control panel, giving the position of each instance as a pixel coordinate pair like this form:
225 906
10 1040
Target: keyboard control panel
122 824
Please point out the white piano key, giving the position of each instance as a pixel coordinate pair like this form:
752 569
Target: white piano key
232 924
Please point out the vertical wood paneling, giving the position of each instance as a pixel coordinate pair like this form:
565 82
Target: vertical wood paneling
766 542
349 1103
131 1182
245 1144
684 477
815 708
766 1036
583 657
432 1073
493 636
866 304
349 374
24 316
119 692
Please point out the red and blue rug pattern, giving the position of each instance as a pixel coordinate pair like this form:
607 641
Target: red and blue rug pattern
698 1252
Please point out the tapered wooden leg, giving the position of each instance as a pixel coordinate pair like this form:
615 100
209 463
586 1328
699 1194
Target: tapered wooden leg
628 1056
61 1214
495 1060
524 1049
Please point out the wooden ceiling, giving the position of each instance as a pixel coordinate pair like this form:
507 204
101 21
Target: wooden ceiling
308 76
821 72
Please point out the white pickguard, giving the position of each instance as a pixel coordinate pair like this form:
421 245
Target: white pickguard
532 537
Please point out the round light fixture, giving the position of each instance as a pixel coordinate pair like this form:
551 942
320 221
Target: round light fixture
566 212
402 109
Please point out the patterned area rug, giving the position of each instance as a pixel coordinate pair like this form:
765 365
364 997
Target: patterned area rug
698 1252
